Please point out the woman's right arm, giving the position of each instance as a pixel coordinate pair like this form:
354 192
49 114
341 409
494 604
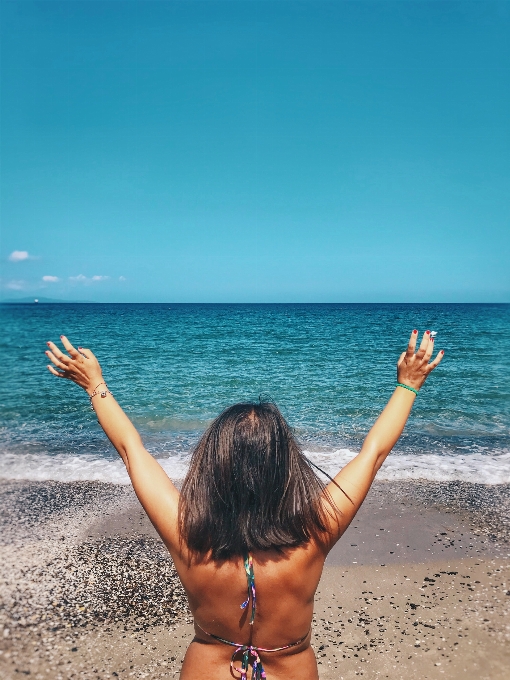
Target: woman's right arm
352 483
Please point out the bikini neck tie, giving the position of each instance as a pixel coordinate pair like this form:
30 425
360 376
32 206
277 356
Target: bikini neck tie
250 577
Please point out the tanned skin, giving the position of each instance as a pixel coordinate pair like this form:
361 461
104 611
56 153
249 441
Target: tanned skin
286 584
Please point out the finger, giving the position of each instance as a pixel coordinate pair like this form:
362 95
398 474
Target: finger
86 353
429 350
436 361
57 373
424 345
401 359
56 352
56 361
72 351
412 343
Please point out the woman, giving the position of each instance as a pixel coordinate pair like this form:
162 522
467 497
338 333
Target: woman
251 517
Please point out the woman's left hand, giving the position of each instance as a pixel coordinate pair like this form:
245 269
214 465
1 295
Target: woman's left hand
413 368
81 366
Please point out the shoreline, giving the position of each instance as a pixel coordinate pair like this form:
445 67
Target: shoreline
89 591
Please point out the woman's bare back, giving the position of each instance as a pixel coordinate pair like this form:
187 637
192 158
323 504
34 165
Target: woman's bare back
285 585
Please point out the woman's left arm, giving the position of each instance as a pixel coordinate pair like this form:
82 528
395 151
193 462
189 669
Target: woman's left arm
155 490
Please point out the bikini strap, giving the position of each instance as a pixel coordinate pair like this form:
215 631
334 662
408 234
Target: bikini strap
250 577
249 653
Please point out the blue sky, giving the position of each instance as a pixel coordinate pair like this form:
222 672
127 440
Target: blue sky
256 151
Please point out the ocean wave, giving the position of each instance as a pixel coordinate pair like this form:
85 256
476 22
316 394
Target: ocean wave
76 468
493 468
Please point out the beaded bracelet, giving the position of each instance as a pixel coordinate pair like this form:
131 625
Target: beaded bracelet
411 389
103 393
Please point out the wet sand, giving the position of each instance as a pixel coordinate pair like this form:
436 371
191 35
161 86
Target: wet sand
417 587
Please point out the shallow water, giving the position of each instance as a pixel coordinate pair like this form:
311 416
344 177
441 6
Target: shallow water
330 368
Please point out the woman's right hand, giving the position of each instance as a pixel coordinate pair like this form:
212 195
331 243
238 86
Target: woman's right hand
413 368
81 366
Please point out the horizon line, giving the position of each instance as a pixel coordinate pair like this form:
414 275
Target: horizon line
37 301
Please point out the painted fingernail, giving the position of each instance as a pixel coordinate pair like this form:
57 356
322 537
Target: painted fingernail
442 351
415 331
61 336
48 343
80 347
427 332
432 339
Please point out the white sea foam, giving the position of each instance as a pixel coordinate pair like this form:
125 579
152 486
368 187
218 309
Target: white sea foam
73 468
493 468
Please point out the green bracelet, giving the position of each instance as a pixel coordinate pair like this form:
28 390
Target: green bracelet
411 389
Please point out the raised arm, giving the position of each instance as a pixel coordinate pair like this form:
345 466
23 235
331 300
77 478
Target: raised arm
357 476
154 489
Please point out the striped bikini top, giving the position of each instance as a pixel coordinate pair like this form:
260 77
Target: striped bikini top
249 653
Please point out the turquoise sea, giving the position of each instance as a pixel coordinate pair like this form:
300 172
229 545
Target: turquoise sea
329 367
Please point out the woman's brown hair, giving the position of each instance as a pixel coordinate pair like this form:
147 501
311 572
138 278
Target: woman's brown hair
249 487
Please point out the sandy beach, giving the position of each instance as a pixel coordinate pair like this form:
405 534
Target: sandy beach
417 587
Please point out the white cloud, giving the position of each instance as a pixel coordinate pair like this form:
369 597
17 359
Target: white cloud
50 279
19 255
122 278
17 285
87 280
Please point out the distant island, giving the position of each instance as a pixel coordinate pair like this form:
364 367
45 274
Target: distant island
42 300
